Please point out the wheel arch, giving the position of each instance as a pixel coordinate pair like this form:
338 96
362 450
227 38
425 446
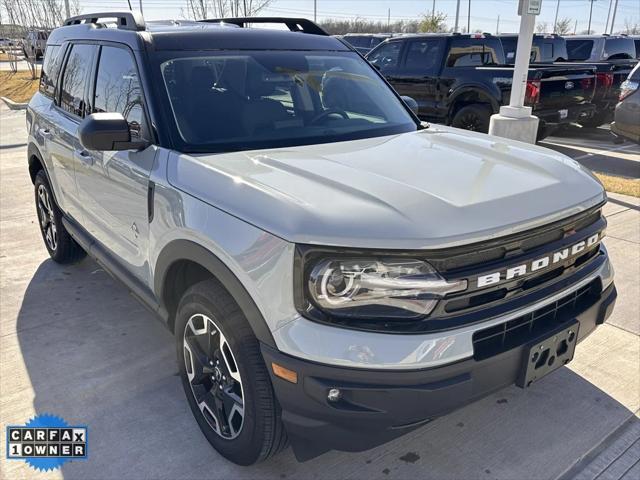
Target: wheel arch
35 162
183 263
468 96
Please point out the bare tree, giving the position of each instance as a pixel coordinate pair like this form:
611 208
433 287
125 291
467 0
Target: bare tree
42 14
359 25
35 15
563 26
201 9
542 27
631 28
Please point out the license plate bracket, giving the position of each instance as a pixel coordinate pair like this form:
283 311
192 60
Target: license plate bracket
546 354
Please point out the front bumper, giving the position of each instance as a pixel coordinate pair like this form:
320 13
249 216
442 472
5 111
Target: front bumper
379 405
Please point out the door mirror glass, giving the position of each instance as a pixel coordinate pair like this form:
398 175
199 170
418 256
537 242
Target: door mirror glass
106 131
411 103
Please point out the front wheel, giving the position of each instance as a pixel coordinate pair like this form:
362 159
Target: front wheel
224 376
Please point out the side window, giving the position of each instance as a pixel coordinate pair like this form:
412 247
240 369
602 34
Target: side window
76 73
118 88
471 54
50 70
422 55
386 57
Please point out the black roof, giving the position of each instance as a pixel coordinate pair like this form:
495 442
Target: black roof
192 35
216 37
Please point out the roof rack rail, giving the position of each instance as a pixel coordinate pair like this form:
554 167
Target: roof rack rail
128 20
294 24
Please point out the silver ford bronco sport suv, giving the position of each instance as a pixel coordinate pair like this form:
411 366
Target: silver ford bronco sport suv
336 273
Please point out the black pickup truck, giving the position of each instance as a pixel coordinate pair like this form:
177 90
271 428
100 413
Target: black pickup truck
613 57
461 80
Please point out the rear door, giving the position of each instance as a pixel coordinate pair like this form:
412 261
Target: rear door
70 109
417 75
114 186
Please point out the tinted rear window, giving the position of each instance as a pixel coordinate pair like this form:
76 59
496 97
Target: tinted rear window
579 49
50 70
362 42
618 48
637 42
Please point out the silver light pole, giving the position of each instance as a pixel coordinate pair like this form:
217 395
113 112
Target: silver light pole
555 22
613 18
606 25
455 28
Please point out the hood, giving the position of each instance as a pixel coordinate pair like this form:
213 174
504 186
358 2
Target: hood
435 188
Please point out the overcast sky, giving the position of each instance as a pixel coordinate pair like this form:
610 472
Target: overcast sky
483 12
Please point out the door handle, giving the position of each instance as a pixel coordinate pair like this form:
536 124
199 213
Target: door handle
85 157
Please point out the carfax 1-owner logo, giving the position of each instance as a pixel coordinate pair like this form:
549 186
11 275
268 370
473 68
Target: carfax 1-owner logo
46 442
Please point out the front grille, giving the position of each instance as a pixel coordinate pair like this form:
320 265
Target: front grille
521 330
454 260
468 301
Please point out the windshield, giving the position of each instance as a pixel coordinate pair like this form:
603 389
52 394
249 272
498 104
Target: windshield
229 101
579 49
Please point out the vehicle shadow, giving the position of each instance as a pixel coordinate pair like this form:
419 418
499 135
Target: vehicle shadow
96 357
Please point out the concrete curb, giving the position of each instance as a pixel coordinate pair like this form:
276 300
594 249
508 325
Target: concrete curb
14 105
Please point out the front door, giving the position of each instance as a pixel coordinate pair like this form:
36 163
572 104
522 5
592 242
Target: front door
113 186
417 75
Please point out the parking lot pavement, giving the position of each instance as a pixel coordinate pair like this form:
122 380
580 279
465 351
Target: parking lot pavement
75 344
595 149
22 64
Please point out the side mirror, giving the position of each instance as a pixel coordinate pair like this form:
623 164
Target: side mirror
411 103
107 131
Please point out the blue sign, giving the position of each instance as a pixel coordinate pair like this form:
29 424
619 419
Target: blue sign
46 442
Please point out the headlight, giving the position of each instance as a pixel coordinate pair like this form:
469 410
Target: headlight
377 288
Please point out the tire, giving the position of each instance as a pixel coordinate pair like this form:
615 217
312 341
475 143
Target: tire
544 131
61 246
223 372
473 117
596 120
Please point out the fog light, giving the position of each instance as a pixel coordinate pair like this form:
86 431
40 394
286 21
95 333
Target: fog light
334 395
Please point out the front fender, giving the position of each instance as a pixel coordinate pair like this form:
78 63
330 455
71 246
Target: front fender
179 250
